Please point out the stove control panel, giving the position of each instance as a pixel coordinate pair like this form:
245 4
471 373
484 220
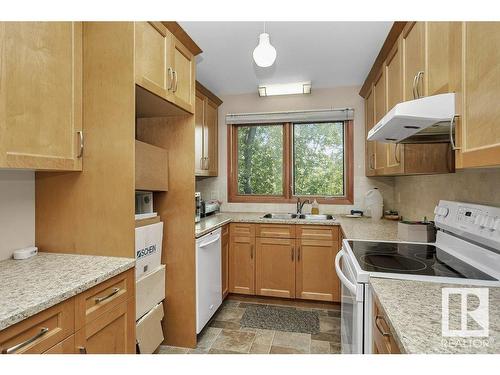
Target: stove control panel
472 221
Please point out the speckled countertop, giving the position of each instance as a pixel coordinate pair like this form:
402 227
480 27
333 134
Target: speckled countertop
358 228
33 285
413 310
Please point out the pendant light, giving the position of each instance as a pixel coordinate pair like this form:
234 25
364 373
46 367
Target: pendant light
264 54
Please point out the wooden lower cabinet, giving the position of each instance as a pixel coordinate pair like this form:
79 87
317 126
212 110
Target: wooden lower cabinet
111 333
102 316
275 267
300 266
242 258
315 273
383 340
225 260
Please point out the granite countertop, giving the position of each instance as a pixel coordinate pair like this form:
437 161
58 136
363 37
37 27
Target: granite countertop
33 285
353 228
413 310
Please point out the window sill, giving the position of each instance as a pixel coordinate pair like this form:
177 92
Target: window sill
271 199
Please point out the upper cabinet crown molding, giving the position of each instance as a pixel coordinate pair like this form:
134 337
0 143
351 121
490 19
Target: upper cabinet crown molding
182 36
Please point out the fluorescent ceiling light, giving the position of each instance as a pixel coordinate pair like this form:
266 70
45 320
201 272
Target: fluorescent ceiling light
285 89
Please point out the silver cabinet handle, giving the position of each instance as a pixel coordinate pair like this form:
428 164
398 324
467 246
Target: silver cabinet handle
15 348
396 153
80 137
251 251
372 161
175 81
170 72
414 86
419 75
293 255
100 299
452 140
298 255
382 332
208 162
82 350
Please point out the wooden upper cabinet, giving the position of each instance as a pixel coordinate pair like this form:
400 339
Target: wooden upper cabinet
443 57
275 267
41 95
199 138
380 107
413 46
479 134
152 61
206 132
183 85
394 85
370 145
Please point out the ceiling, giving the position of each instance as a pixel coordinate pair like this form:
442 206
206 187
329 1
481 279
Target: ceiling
329 54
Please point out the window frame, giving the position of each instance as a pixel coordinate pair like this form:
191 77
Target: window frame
288 197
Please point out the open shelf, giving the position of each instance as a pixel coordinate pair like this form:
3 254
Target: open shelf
151 167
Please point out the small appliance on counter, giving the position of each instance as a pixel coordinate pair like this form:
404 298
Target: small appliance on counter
416 231
209 208
197 202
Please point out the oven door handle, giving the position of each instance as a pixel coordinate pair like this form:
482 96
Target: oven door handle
353 288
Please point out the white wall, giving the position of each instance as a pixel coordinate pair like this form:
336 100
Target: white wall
17 211
340 97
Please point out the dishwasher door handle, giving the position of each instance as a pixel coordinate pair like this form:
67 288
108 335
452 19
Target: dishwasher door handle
201 246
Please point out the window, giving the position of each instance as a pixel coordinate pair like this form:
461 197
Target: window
280 162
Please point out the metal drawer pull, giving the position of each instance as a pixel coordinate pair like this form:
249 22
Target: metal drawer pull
82 350
452 140
100 299
15 348
377 318
298 256
170 72
174 89
293 253
80 137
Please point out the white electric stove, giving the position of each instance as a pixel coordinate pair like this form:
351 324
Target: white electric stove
466 251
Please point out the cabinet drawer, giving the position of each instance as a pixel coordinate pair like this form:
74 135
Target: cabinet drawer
383 340
67 346
242 230
318 232
104 297
37 334
275 231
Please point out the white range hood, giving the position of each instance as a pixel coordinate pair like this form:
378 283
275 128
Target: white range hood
424 120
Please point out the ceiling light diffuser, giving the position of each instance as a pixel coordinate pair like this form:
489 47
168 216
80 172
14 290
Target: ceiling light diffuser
285 89
264 54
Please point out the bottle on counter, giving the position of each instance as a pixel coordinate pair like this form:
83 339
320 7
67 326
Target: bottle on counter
315 207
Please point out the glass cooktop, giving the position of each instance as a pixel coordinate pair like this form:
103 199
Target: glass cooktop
412 259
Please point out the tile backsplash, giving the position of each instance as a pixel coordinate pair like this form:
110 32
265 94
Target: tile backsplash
416 196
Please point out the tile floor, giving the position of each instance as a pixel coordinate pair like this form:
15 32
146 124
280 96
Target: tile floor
224 335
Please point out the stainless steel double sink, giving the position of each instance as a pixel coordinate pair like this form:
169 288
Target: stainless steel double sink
281 216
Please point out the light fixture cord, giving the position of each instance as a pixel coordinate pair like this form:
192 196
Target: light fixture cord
264 27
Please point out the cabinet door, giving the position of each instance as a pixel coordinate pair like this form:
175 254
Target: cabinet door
113 332
225 260
151 64
183 87
413 59
380 105
370 146
199 127
480 130
275 267
242 259
443 54
41 95
315 271
210 134
394 84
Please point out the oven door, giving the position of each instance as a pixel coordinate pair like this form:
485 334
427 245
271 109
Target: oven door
352 306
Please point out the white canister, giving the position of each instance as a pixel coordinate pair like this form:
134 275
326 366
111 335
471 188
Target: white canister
374 204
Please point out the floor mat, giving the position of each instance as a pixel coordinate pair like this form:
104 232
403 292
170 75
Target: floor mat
280 318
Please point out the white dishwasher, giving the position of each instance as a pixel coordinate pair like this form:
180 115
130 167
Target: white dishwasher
208 277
